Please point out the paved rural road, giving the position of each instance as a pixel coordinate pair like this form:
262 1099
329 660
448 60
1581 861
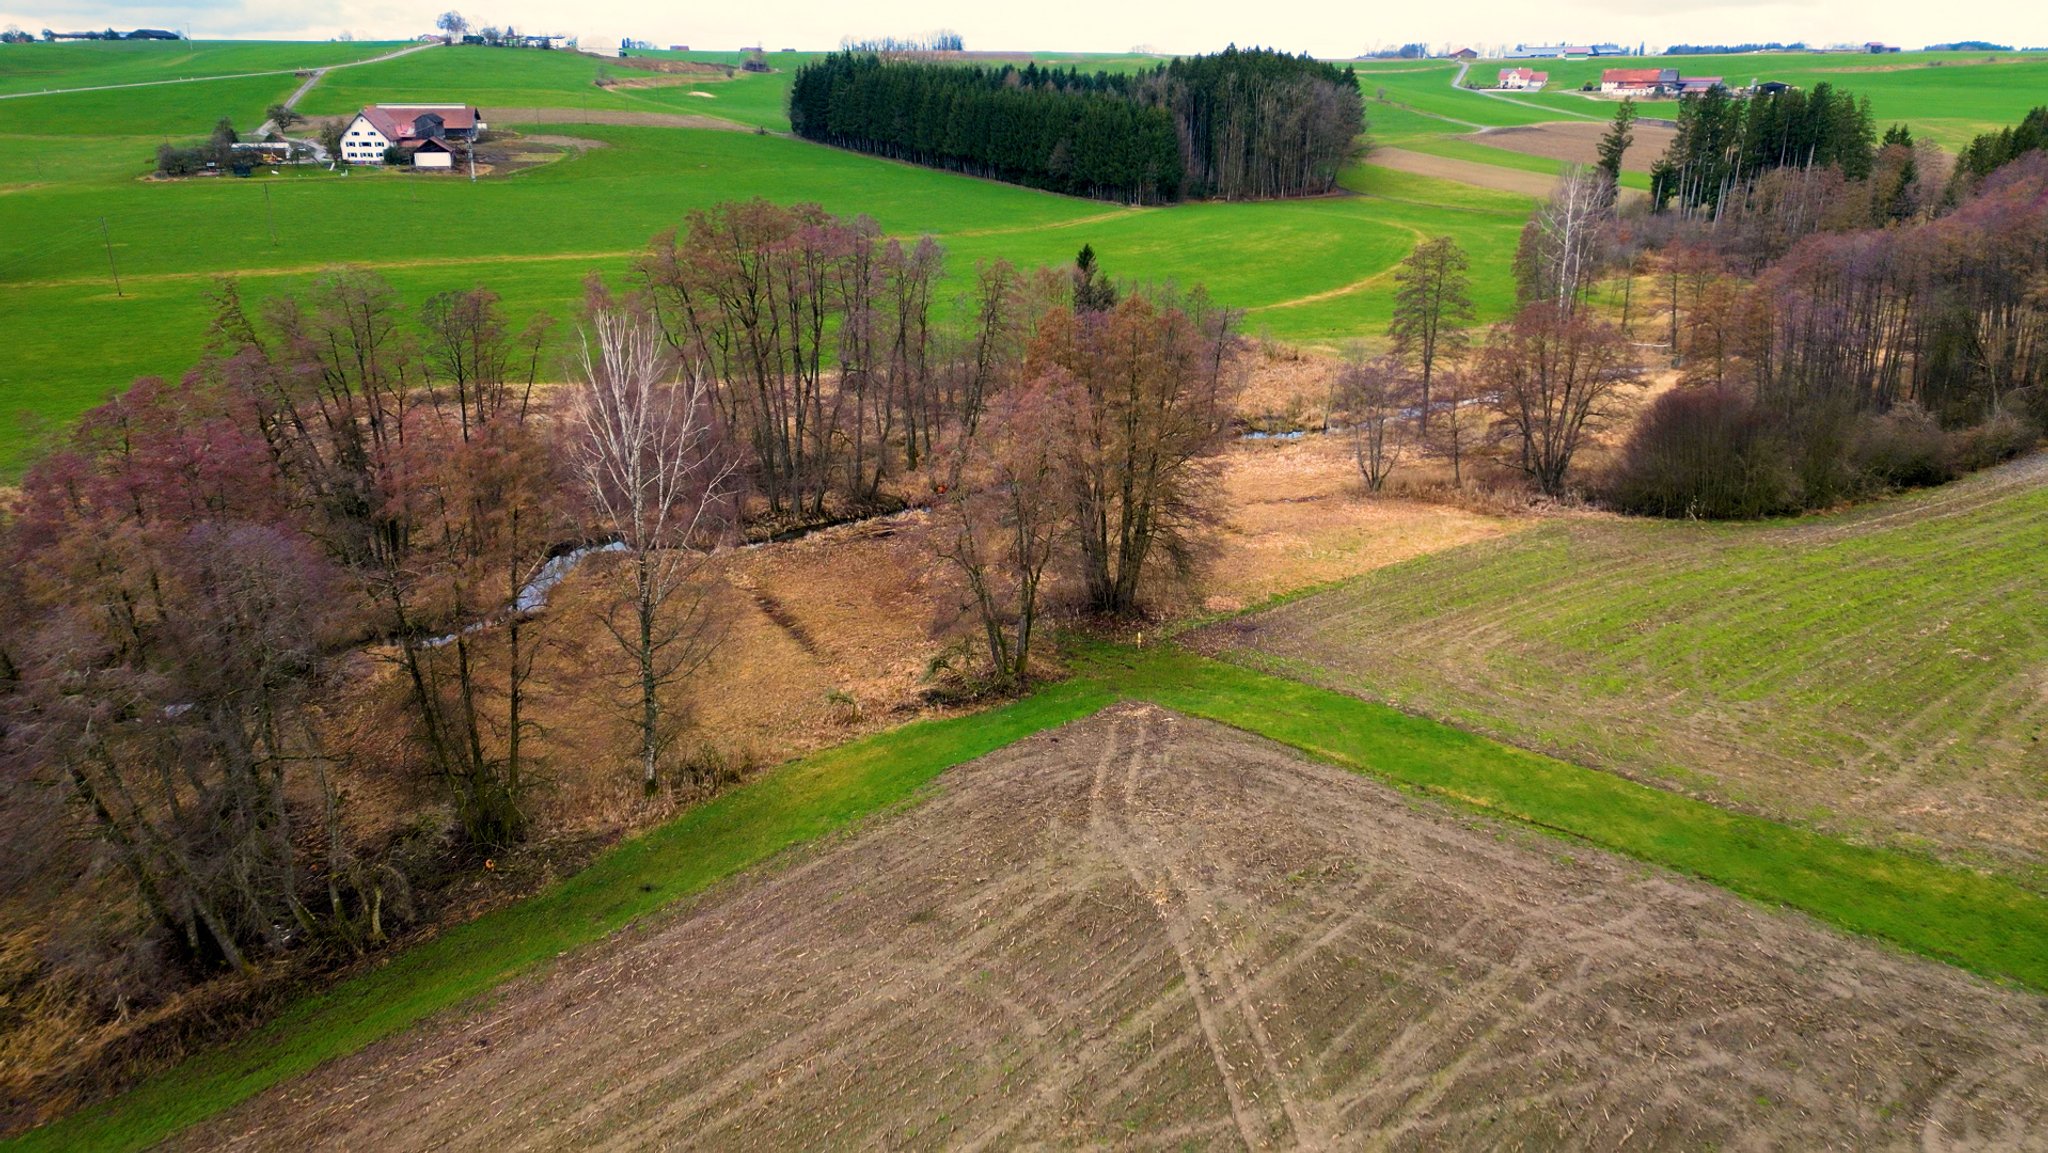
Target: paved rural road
293 99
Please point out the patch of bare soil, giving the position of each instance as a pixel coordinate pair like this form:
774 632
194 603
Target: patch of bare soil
1577 141
1533 184
1148 931
611 116
665 66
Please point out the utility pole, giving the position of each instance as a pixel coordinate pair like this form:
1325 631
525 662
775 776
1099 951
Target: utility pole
270 214
108 240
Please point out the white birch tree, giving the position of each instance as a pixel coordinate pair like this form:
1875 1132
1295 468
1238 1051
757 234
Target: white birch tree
651 456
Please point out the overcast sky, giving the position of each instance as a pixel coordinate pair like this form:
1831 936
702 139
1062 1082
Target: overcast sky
1330 29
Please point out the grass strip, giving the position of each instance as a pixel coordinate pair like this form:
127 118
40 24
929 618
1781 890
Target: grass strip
803 800
1982 923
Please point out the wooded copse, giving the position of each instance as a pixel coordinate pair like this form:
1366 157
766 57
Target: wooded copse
1238 125
1725 144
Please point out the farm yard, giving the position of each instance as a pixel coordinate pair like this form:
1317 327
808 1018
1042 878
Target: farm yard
1517 655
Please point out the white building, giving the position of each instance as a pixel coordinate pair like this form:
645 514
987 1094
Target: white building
412 128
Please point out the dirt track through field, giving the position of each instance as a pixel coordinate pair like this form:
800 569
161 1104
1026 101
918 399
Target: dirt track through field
1153 932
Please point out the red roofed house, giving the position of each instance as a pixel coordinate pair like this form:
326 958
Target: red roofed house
1639 81
1526 79
422 131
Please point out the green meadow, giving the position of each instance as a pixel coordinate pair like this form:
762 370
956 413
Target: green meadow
84 63
1947 97
1308 271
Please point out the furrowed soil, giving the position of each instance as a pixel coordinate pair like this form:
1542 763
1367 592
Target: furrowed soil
1156 932
1577 141
1879 674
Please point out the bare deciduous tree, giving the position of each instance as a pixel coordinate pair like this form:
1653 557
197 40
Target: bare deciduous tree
1555 261
651 458
1375 401
1151 381
1432 306
1557 376
1005 509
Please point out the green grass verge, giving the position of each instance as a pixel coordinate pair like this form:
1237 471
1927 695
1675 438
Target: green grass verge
1986 924
799 802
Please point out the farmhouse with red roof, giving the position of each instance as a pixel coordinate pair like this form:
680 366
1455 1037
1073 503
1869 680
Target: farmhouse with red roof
1639 81
422 131
1524 79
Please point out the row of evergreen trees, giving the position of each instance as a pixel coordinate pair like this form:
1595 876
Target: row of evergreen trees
1994 150
1725 143
1242 124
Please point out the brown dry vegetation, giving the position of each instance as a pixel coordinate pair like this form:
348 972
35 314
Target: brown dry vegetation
1148 931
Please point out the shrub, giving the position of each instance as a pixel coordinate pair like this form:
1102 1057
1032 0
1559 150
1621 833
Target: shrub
2002 437
1904 448
1705 452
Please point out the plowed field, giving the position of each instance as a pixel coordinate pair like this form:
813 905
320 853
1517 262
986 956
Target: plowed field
1150 931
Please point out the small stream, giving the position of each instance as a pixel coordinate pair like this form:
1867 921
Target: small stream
533 595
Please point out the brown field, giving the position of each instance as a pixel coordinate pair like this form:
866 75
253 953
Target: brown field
611 116
1532 184
1149 931
1575 141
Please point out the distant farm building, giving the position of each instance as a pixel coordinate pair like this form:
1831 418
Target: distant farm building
1462 54
1699 85
1639 81
1523 79
1876 48
421 131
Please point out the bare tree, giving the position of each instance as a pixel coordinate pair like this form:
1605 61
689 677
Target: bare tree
1375 400
1432 304
1005 510
651 456
1151 379
1455 421
452 25
1557 376
1555 261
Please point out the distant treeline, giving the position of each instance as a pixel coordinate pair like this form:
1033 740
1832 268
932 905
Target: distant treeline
1724 144
17 36
1968 46
1242 124
1732 49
